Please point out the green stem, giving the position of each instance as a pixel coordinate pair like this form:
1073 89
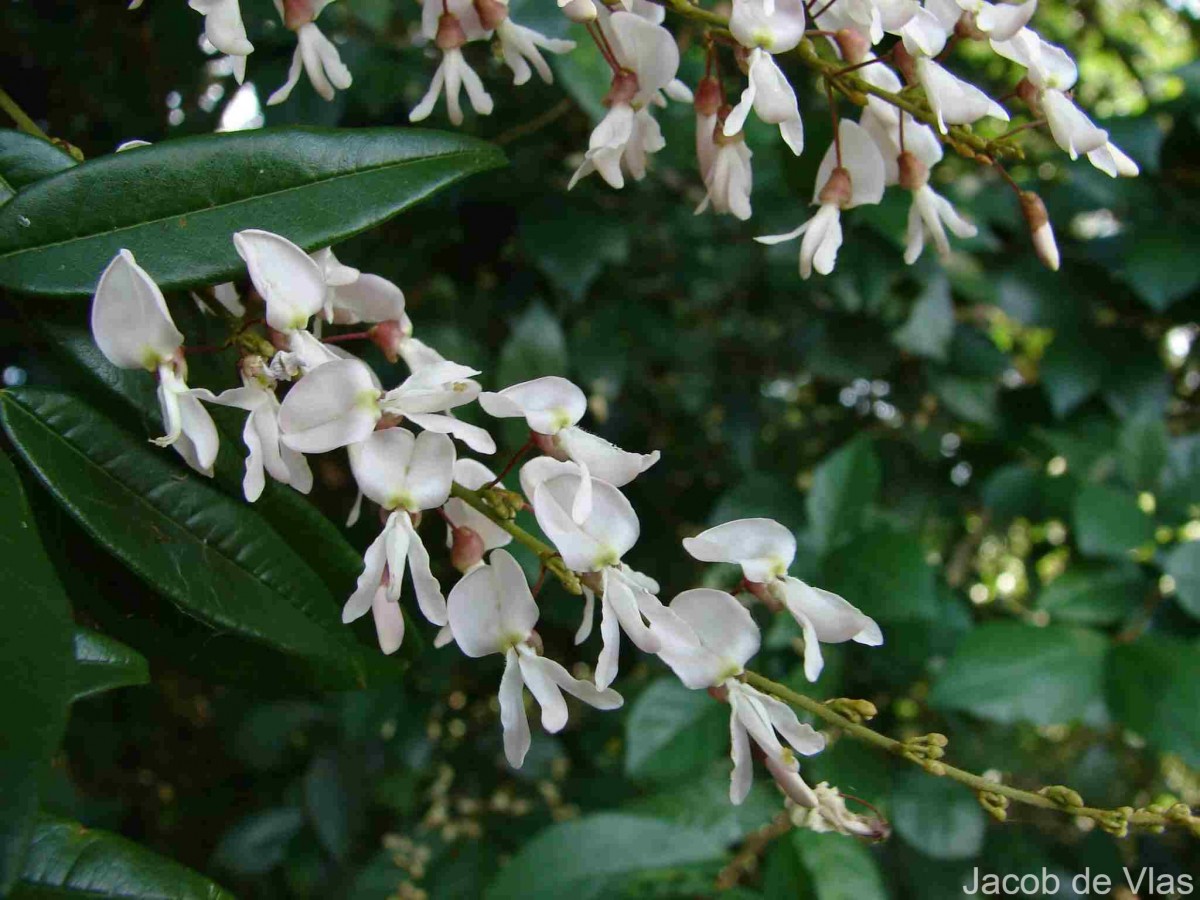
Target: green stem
23 122
499 507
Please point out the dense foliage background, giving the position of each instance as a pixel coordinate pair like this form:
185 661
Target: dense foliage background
1001 465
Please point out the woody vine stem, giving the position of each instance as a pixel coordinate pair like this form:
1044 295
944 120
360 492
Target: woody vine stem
925 751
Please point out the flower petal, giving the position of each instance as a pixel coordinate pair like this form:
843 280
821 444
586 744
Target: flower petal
130 320
289 281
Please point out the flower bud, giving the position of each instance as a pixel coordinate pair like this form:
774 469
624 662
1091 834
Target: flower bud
450 33
853 45
548 444
904 63
624 88
466 549
297 14
838 190
1038 220
914 174
720 693
708 96
492 13
389 336
581 11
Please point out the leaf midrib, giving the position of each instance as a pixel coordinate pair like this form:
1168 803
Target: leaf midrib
252 199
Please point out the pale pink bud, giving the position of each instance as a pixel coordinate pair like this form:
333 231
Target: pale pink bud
450 33
708 96
1038 220
466 551
389 337
838 190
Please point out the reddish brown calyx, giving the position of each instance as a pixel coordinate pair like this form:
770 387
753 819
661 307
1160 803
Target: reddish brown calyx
720 693
708 97
914 174
853 45
838 190
966 29
492 13
388 337
548 444
450 33
1034 210
466 549
720 138
624 88
1027 91
905 63
297 14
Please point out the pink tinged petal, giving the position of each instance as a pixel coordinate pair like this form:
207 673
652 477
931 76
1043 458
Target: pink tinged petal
130 321
290 282
389 622
424 109
369 581
426 586
742 777
833 618
721 624
604 460
370 298
332 406
444 637
548 404
789 780
589 616
762 547
512 711
293 78
544 690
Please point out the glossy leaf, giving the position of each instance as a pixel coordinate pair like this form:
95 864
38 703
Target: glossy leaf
1183 564
314 186
68 860
1108 522
1153 689
25 159
35 651
1009 672
1093 595
103 663
941 819
844 485
215 557
672 731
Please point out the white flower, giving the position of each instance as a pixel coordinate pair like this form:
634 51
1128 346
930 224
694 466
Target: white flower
1040 230
999 21
729 179
719 639
924 34
551 406
595 543
954 101
290 282
775 25
224 29
267 453
831 815
314 52
1112 162
649 60
930 214
519 47
405 474
857 181
1047 65
134 330
770 95
453 73
492 611
1072 130
765 549
473 474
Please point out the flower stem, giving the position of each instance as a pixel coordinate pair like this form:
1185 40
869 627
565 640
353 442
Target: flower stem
22 121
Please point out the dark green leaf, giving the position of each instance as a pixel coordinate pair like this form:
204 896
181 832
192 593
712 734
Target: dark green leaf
941 819
703 804
68 860
1142 450
215 557
1183 564
103 663
1109 523
313 186
839 867
25 159
931 325
1093 595
884 573
1008 672
590 857
259 842
972 399
571 243
1072 370
35 652
535 347
1153 688
672 731
844 485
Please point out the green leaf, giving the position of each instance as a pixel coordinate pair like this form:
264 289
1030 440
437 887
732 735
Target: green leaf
761 494
936 816
971 399
1183 564
1093 595
1109 523
931 325
536 346
68 860
25 159
35 651
1071 371
1142 451
590 857
314 186
571 242
215 557
258 843
703 804
672 731
103 663
1153 689
884 574
833 867
1009 672
844 485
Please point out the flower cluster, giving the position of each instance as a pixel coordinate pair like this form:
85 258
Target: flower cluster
401 443
888 146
